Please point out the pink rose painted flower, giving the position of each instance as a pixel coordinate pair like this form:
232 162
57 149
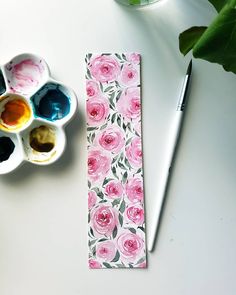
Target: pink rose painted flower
104 220
135 213
129 75
97 111
92 198
133 58
94 264
130 246
114 189
134 189
99 164
104 68
134 152
92 88
129 104
106 250
112 139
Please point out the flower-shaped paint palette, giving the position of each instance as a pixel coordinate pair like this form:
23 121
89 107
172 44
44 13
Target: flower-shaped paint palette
34 109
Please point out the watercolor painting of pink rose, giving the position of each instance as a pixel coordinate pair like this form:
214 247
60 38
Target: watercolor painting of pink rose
130 246
112 139
135 213
92 198
129 75
92 88
114 189
134 152
98 165
133 58
97 111
129 104
104 68
106 250
134 189
94 264
104 220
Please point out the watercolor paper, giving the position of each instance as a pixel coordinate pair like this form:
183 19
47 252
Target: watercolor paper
116 231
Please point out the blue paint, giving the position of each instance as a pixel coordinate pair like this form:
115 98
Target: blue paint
51 103
2 84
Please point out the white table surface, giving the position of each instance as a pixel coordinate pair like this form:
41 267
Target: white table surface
43 210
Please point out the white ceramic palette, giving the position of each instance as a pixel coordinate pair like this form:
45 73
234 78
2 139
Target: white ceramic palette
34 109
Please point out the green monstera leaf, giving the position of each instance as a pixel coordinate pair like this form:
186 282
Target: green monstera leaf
218 4
217 43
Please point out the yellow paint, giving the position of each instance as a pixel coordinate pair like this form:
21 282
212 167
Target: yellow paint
15 113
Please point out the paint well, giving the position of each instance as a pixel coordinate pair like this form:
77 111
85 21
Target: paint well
7 147
42 139
15 113
51 104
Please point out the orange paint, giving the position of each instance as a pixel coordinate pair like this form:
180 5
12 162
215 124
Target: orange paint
15 114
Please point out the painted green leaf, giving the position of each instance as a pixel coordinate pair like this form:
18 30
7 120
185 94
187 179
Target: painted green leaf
88 74
142 228
218 43
218 4
118 56
131 265
106 180
90 243
108 88
96 189
102 240
120 220
127 163
91 231
113 169
113 118
139 170
122 206
133 230
115 202
117 257
103 201
101 86
91 128
114 233
122 166
114 159
141 260
103 126
118 96
107 265
100 195
124 177
189 38
119 121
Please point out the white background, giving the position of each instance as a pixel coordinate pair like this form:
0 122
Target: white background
43 210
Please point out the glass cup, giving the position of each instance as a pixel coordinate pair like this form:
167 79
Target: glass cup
137 2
